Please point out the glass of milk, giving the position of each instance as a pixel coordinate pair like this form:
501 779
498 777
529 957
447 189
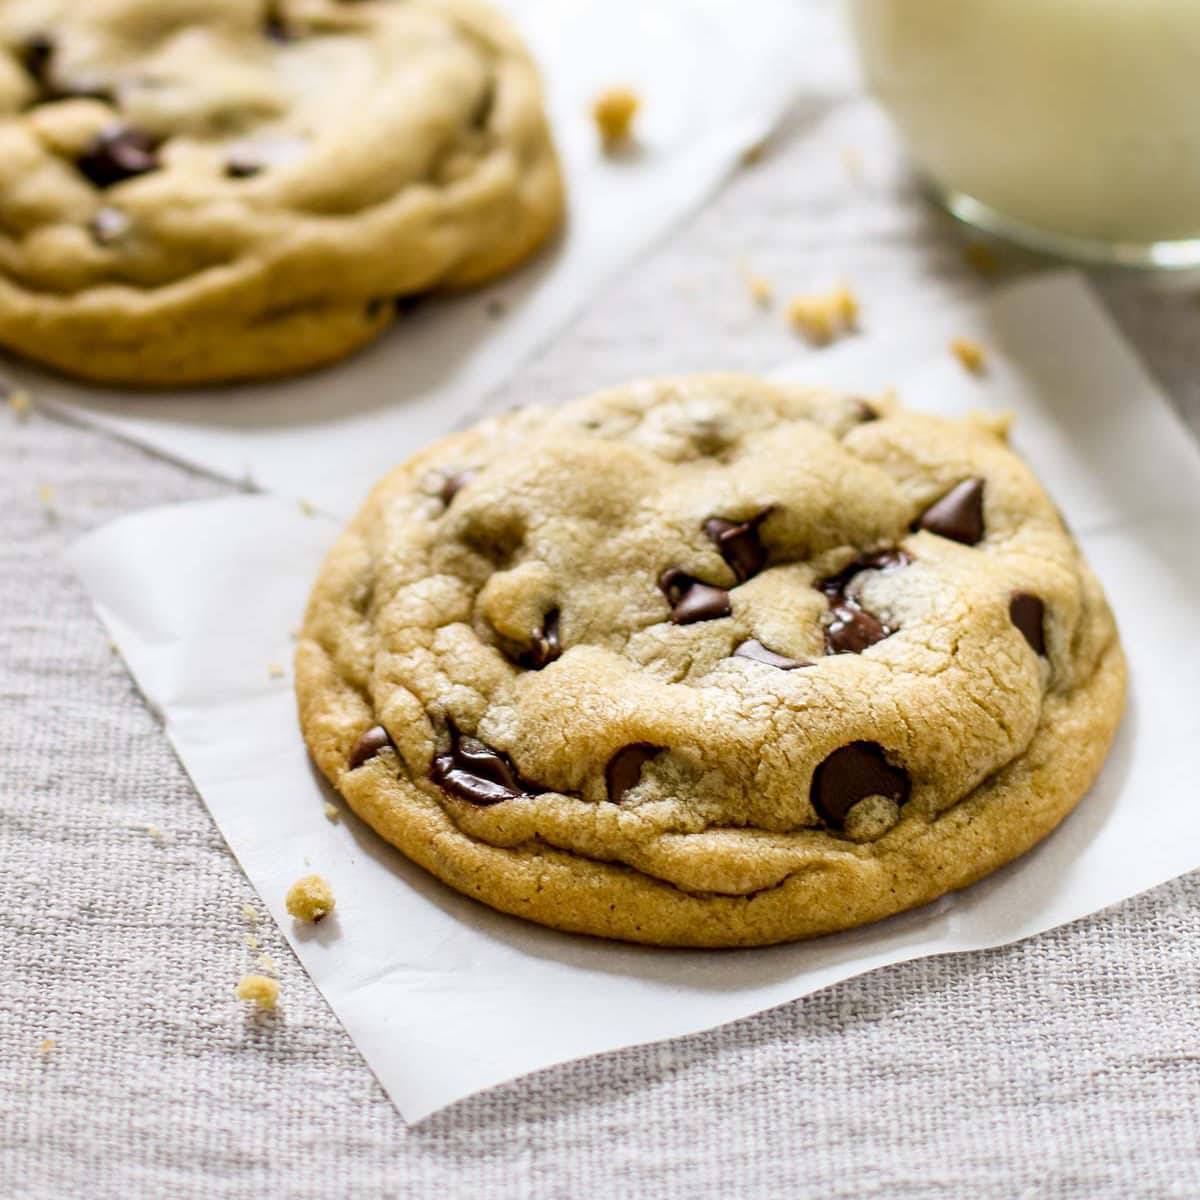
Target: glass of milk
1072 126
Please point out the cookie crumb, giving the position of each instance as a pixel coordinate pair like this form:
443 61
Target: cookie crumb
310 899
275 671
308 508
250 940
20 402
155 834
971 354
332 812
267 963
45 494
250 914
761 291
981 257
753 155
998 424
613 111
46 1046
822 317
259 989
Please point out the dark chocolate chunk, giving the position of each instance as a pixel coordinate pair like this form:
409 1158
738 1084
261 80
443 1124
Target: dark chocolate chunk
739 543
756 651
275 25
851 774
119 152
692 600
1028 614
108 225
368 745
625 768
865 412
958 515
241 165
545 647
36 53
476 773
852 628
454 483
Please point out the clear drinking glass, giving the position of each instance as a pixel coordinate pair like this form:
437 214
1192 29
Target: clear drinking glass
1071 126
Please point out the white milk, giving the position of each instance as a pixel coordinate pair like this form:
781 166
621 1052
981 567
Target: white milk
1077 117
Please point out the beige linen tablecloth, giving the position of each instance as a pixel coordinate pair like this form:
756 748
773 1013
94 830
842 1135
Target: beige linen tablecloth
1067 1066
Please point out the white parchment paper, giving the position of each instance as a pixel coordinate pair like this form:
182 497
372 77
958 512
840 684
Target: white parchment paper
715 77
443 996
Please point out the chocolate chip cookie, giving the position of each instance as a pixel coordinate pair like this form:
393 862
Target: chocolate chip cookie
218 190
711 661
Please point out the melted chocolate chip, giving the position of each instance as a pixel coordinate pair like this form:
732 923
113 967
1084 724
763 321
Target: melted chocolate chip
625 768
119 152
852 628
757 652
108 225
865 412
368 746
1028 614
958 515
852 774
692 600
739 543
476 773
545 647
454 483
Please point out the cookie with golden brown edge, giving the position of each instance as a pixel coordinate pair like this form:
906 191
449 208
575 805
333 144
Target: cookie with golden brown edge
195 192
710 661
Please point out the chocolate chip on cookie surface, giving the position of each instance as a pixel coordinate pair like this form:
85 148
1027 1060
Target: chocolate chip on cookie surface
273 170
710 661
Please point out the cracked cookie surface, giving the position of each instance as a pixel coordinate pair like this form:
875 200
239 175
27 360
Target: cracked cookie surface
194 192
710 661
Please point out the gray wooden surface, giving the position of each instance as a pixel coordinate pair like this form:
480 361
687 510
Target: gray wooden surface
1065 1066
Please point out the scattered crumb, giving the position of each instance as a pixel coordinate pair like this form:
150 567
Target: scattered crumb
262 991
20 403
332 812
852 162
155 833
756 153
613 110
268 964
760 289
46 1046
250 940
275 671
981 257
310 898
113 646
998 423
45 494
822 317
971 354
250 913
308 508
